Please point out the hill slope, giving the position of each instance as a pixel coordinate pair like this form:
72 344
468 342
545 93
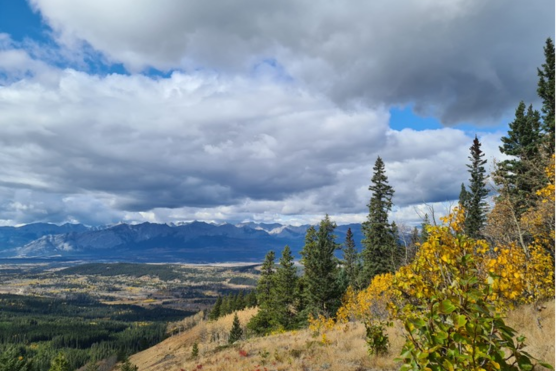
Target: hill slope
299 350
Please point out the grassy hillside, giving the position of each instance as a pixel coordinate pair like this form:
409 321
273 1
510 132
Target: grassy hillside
344 348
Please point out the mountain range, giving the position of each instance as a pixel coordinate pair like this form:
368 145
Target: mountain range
195 242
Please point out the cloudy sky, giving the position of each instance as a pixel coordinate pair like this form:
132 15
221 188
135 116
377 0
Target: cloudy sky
170 110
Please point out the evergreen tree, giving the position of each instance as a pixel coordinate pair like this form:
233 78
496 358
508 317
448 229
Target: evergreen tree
476 211
215 312
262 322
60 363
397 251
226 307
10 360
195 350
517 175
128 366
251 300
321 267
285 291
463 197
236 332
265 286
378 243
424 234
545 90
351 261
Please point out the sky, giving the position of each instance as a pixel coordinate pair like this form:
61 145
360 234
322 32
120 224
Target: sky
250 110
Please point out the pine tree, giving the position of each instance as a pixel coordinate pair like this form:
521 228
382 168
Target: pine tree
351 261
215 312
195 350
251 300
545 90
236 332
517 176
265 286
476 211
378 243
262 322
322 293
285 291
59 363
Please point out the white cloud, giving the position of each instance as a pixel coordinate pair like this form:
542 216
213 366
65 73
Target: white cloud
204 145
463 61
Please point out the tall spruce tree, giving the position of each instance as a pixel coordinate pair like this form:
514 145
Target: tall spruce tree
322 292
517 176
352 263
262 322
545 90
265 285
477 206
379 243
215 312
285 291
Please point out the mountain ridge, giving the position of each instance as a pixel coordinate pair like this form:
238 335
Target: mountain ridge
196 242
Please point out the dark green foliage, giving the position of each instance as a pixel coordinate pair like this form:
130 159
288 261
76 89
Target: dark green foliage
251 300
236 332
518 176
248 281
285 292
477 206
397 252
262 322
376 338
379 242
351 262
165 272
215 312
128 366
265 286
84 330
424 234
195 350
11 360
60 363
464 197
322 293
232 302
545 90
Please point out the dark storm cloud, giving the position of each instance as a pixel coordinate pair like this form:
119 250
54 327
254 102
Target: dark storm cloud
462 61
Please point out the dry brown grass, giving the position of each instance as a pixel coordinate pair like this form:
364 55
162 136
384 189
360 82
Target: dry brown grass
299 350
538 327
